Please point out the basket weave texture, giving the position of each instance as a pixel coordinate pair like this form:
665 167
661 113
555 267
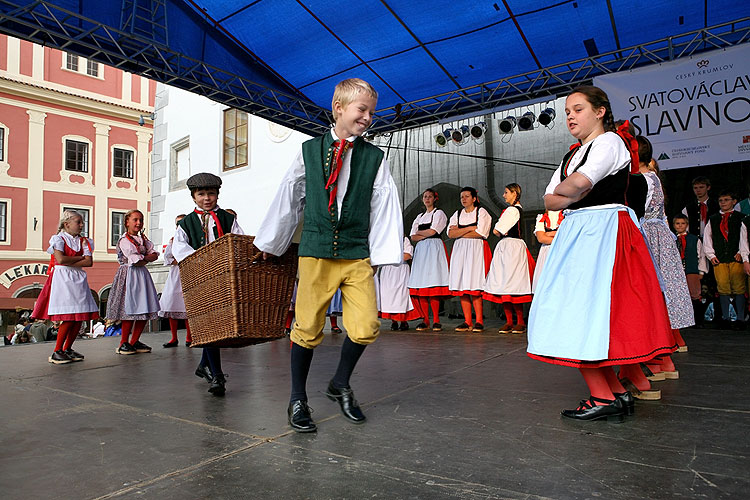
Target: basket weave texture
233 297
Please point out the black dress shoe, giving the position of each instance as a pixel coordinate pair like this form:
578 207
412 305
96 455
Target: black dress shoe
171 343
628 402
349 406
204 371
589 410
404 326
217 387
394 325
299 417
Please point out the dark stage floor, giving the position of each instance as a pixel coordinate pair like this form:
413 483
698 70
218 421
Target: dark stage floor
449 416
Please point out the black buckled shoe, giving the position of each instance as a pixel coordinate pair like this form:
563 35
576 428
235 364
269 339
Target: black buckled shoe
217 387
404 326
299 417
203 371
140 347
628 402
75 356
345 398
171 343
394 326
59 358
589 410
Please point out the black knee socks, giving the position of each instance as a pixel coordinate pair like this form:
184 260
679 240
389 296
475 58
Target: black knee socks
301 360
350 353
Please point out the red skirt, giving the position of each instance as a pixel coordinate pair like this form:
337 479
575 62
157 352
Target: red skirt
407 316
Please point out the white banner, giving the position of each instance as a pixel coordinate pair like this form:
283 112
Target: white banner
695 111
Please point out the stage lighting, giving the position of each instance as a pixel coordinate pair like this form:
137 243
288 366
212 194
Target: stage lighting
443 137
526 122
507 125
477 131
460 135
546 117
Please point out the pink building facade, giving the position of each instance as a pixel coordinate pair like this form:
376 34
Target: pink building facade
69 138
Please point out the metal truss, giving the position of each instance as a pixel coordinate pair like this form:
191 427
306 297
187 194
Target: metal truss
139 47
50 25
558 79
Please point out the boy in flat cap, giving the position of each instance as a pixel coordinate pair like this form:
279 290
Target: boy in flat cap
200 227
353 221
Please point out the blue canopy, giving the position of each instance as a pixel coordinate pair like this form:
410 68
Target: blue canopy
281 58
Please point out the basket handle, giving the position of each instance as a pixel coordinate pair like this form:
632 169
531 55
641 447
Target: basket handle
255 257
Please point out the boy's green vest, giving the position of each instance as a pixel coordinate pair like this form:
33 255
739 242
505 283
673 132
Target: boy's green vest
725 250
690 262
194 229
326 234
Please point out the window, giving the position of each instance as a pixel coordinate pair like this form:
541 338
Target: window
85 214
71 62
2 144
92 68
235 139
122 163
76 156
3 220
118 221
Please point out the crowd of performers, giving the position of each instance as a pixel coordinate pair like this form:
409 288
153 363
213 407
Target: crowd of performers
609 285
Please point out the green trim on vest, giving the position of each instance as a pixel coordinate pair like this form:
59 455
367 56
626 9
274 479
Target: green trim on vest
194 229
327 234
725 250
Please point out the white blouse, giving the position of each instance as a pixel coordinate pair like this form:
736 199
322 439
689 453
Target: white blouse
436 217
508 219
484 221
131 252
58 241
554 216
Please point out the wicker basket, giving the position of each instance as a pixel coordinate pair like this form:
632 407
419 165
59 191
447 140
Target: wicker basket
233 297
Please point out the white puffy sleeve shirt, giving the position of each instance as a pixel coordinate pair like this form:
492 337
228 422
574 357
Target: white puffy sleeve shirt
59 240
408 248
607 155
508 219
180 243
437 219
285 213
483 218
131 252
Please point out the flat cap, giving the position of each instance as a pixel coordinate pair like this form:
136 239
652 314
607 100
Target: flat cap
204 180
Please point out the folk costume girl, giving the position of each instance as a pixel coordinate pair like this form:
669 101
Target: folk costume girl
395 302
587 312
66 295
509 279
133 298
545 231
470 257
206 223
428 281
171 303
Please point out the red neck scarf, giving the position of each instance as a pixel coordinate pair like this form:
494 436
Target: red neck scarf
547 223
141 248
204 222
683 243
338 162
724 225
704 211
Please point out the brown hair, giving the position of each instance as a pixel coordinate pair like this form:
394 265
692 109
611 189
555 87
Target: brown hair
645 151
127 216
516 189
434 193
598 99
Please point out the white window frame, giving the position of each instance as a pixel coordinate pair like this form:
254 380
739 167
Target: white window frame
175 183
111 225
78 208
131 150
4 165
236 167
8 232
83 64
65 174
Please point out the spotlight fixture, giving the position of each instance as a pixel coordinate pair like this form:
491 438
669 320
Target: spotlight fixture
546 117
141 120
526 122
443 137
507 125
460 135
477 131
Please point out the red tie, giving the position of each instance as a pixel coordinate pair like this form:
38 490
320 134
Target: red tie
337 162
683 244
724 226
704 212
204 222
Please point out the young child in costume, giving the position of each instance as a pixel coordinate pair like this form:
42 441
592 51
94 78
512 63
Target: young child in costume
352 221
470 257
66 295
133 298
703 207
509 279
395 302
171 303
545 231
588 312
721 242
428 281
206 223
693 263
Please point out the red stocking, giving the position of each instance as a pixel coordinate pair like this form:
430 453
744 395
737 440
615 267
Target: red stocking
508 310
189 337
635 374
477 302
466 308
435 305
137 330
666 364
678 337
519 314
62 333
127 325
614 383
597 381
73 329
424 309
173 322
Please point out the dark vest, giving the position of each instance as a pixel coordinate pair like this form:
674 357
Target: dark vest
194 229
515 231
694 214
611 189
474 224
326 234
636 194
726 249
690 262
428 225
